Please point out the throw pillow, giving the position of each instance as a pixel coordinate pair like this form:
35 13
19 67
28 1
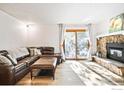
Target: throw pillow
5 60
13 60
38 52
35 51
31 51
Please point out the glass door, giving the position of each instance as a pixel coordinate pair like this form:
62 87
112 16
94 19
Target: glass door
76 44
82 45
70 45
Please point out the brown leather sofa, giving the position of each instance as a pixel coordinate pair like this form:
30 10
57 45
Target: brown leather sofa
9 75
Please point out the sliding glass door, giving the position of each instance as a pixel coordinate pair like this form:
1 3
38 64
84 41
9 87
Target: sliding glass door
76 44
70 45
82 45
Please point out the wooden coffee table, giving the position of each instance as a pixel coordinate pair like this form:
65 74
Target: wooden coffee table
57 55
46 63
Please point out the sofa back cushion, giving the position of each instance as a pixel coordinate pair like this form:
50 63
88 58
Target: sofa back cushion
13 60
24 51
19 53
5 61
47 50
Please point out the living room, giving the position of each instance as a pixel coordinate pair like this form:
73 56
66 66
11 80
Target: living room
62 44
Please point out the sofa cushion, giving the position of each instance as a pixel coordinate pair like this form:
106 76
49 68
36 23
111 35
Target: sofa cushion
20 66
14 53
29 60
13 60
5 61
18 53
24 51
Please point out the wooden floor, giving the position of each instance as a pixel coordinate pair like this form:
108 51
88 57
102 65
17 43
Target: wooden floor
64 76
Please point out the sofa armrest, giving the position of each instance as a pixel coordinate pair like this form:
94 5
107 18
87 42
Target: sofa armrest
7 75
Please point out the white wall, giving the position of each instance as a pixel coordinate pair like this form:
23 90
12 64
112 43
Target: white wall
12 32
44 35
75 26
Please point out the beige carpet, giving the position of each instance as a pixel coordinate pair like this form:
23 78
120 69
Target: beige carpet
91 73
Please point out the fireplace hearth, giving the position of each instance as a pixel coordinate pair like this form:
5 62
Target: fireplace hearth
115 51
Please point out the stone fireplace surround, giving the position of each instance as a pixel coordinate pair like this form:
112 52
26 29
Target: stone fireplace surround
102 42
112 65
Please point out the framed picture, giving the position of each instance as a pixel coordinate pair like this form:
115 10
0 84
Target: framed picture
117 23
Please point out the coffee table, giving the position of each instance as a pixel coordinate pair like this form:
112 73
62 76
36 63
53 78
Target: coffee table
46 63
57 55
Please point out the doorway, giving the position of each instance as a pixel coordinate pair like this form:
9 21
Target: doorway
76 43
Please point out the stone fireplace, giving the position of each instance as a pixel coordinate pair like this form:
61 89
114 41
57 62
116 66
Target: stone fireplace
115 51
103 41
111 47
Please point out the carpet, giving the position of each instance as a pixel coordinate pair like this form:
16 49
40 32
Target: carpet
91 73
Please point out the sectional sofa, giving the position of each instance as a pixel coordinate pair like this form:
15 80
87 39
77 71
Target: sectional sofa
11 72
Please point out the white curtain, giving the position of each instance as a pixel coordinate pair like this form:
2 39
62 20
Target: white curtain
90 44
61 40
